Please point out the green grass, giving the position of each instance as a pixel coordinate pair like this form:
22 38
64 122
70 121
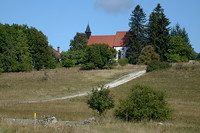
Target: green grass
181 86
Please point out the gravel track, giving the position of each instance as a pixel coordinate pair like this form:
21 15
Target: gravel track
115 83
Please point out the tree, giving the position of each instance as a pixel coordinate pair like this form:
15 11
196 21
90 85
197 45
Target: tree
23 48
158 31
77 49
178 31
79 42
100 54
78 56
143 103
14 49
147 55
179 47
198 57
42 54
178 50
100 100
136 34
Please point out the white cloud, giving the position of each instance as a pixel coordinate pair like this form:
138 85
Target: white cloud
114 6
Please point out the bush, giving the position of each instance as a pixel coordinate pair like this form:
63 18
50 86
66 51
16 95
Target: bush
100 100
147 55
99 54
143 103
88 66
77 56
198 57
156 65
68 63
1 70
123 61
113 63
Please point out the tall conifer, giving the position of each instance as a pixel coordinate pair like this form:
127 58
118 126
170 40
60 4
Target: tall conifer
158 31
136 34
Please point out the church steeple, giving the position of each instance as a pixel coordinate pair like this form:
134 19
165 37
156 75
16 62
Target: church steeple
88 31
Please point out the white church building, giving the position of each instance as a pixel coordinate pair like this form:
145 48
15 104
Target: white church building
117 41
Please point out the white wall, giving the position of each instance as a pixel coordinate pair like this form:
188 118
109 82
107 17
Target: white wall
122 50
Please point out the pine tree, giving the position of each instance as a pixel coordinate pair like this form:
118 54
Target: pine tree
136 34
178 31
158 31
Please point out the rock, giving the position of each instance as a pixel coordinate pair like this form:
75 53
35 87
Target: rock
51 120
89 120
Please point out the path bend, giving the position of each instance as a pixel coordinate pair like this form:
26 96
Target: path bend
115 83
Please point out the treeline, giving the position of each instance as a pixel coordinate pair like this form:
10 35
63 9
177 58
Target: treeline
153 38
24 48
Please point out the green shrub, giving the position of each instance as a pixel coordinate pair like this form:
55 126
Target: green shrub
113 63
99 54
68 63
1 70
198 57
156 65
100 100
88 66
143 103
123 61
147 55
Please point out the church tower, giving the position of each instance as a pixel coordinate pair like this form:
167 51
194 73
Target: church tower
88 31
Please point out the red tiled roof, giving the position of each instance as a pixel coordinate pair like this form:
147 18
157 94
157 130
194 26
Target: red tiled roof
112 40
120 38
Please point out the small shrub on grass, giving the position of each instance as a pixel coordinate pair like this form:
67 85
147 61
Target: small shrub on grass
113 63
68 63
156 65
88 66
100 100
143 103
123 61
1 70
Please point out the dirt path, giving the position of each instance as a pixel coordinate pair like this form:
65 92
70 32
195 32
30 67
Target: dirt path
113 84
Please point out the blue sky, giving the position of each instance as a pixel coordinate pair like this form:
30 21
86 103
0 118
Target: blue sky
59 20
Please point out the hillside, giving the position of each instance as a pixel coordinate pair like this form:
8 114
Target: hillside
180 84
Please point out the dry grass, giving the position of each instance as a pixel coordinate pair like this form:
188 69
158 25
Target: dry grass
182 88
104 127
47 84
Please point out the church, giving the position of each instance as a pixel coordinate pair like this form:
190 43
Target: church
118 41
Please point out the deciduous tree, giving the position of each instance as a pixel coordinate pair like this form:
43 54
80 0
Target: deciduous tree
100 54
79 42
178 50
100 100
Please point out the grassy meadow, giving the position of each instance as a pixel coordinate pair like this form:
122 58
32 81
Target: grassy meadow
181 85
46 84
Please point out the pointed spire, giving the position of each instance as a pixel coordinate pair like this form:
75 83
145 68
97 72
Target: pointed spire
88 31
